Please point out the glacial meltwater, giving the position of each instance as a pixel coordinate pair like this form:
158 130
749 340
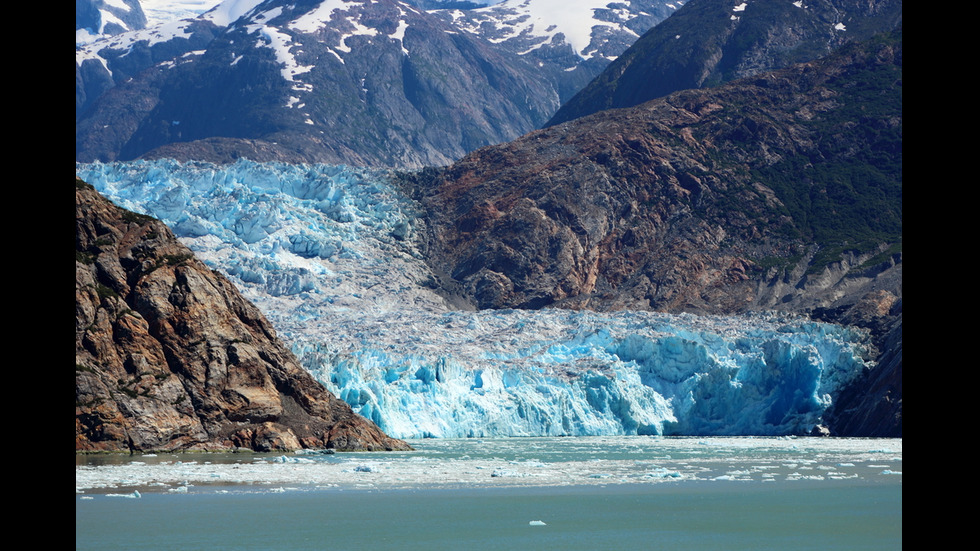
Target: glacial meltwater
595 493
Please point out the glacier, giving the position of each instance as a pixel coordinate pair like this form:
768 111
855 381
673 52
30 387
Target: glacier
334 257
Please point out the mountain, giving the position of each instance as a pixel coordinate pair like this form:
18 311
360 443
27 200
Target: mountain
776 192
168 355
510 293
366 83
710 42
760 194
361 82
570 40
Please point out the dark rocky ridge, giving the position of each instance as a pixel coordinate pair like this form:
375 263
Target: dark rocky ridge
706 43
169 356
776 192
872 405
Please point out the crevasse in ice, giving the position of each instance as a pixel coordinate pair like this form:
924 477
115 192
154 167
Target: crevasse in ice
332 255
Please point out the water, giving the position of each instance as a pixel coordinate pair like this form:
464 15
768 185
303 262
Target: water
590 493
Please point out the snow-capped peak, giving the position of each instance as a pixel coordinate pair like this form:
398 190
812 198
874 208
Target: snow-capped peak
583 25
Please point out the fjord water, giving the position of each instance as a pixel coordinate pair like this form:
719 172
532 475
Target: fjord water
589 493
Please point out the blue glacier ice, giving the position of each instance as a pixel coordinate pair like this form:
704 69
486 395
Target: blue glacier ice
333 256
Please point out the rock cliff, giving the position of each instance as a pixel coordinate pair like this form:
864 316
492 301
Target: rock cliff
778 191
169 356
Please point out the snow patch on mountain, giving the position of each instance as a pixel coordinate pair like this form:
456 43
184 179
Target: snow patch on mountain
126 41
322 15
577 23
280 43
165 11
330 11
229 11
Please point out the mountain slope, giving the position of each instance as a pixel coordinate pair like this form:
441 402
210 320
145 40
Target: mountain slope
709 42
701 201
364 83
781 191
355 82
168 355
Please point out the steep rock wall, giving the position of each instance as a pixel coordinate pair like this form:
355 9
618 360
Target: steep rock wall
168 355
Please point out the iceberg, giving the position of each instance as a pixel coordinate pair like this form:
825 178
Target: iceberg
334 258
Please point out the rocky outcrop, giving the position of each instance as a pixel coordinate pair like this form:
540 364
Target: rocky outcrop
169 356
872 405
692 202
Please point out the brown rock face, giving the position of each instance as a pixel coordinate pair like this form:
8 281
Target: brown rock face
705 201
168 354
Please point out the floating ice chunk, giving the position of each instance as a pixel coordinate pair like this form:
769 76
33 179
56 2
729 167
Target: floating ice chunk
314 451
288 459
134 495
536 523
663 473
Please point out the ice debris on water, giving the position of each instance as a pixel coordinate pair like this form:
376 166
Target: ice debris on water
564 461
290 459
134 495
663 473
316 451
334 258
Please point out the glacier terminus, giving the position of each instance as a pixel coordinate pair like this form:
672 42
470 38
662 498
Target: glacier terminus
334 257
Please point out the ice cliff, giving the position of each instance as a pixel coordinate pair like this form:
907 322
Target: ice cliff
334 257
